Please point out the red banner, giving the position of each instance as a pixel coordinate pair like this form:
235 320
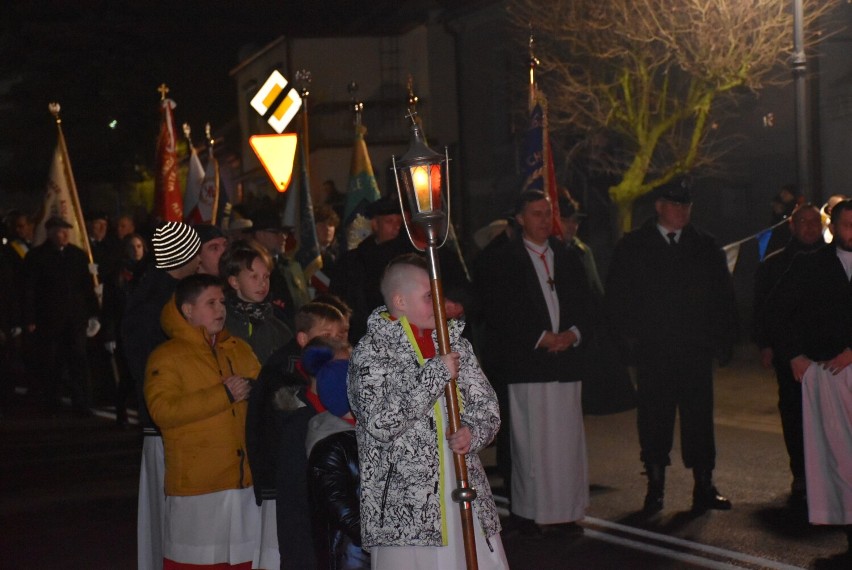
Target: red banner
168 202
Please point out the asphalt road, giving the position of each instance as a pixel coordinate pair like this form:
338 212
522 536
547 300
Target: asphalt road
68 494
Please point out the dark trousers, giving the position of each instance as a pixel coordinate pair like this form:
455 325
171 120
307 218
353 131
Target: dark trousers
676 383
292 509
63 349
7 381
503 440
125 389
790 406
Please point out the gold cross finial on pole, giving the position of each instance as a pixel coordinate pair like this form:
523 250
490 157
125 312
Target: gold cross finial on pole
163 90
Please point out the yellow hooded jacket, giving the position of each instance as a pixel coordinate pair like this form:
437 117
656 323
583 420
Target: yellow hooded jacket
203 432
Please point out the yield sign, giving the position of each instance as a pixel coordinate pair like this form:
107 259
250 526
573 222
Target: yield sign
276 154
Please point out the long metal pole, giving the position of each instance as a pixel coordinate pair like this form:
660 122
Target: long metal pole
799 66
72 191
463 494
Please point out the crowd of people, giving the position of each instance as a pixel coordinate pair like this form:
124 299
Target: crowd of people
299 421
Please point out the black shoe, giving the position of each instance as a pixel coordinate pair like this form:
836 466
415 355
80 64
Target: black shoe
524 527
798 500
705 496
531 531
121 419
709 498
656 485
81 412
653 503
569 528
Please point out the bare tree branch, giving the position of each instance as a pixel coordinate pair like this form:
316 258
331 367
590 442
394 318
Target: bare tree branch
651 72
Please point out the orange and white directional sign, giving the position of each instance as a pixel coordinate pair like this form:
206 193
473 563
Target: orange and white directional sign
276 154
277 101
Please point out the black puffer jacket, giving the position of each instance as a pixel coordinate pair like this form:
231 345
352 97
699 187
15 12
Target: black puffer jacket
334 481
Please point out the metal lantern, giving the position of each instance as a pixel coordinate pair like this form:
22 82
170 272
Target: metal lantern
422 180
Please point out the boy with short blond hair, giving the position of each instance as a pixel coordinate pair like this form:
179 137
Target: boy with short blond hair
396 389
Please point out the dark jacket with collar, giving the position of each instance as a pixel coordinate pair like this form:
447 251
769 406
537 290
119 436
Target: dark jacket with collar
516 315
768 273
141 332
59 289
666 299
810 309
264 332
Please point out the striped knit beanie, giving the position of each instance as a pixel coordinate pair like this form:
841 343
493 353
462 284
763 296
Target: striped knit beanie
175 244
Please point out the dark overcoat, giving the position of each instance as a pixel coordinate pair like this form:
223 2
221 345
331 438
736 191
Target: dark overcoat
516 314
810 309
59 289
768 273
665 299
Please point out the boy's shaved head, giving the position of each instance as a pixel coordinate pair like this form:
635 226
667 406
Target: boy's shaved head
398 278
407 290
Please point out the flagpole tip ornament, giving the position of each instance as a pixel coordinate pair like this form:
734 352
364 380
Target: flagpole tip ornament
54 109
357 106
413 99
187 131
163 90
303 83
534 62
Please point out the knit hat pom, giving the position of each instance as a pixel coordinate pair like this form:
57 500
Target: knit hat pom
175 245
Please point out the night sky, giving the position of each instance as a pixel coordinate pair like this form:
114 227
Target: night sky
103 60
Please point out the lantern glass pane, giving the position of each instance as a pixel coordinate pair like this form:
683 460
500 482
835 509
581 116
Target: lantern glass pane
421 180
436 185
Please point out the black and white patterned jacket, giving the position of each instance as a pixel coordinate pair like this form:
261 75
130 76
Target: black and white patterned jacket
393 399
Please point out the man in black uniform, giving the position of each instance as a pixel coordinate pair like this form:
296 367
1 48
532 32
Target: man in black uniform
806 236
60 301
671 301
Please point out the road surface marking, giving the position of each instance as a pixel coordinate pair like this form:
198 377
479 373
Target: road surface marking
660 551
697 546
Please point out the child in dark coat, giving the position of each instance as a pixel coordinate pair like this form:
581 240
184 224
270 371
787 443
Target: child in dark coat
334 479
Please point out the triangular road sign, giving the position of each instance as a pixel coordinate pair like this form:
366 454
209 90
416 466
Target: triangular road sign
276 154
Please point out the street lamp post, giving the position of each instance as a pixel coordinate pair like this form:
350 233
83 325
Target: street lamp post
799 66
423 176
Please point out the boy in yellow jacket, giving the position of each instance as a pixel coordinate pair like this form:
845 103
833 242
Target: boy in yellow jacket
196 386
